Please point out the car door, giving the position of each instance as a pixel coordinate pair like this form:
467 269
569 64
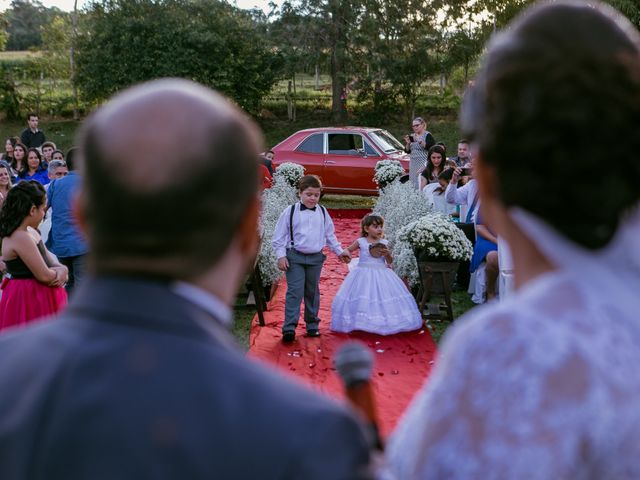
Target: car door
349 163
310 154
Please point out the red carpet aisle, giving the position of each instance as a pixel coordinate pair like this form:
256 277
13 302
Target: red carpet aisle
402 361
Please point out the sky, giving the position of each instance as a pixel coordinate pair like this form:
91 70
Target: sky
67 5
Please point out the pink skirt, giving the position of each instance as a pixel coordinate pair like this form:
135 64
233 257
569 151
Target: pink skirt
26 300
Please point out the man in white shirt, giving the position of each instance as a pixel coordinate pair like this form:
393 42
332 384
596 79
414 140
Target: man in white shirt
467 195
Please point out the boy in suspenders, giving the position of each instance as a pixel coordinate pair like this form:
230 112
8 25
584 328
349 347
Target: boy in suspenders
301 233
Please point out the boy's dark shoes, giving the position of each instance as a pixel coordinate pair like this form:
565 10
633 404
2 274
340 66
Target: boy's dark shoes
288 337
313 333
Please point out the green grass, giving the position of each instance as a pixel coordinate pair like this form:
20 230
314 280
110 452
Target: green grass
460 304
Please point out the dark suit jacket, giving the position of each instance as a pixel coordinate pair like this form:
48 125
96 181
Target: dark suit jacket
135 382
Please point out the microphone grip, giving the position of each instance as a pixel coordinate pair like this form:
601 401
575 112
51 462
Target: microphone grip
361 397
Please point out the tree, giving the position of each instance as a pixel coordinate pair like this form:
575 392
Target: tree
128 41
25 21
4 36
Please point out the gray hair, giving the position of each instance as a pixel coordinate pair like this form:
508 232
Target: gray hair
54 164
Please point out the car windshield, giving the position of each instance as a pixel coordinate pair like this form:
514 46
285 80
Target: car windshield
386 141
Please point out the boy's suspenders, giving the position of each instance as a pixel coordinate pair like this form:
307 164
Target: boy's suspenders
292 209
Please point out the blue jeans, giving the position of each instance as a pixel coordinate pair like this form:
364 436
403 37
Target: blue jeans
303 277
77 268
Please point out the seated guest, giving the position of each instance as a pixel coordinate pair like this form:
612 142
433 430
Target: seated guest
435 192
47 150
57 169
19 162
140 377
9 145
463 156
466 196
35 168
57 155
485 249
546 384
5 181
436 158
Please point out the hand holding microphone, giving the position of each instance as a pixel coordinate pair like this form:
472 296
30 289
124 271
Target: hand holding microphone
354 363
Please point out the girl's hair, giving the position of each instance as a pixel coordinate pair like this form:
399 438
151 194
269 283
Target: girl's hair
369 220
420 120
430 167
12 141
446 174
7 167
14 162
18 205
309 181
57 151
25 167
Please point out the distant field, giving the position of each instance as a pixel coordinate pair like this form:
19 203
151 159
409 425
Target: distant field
18 55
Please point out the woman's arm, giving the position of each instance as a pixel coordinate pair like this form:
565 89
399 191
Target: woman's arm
485 233
24 245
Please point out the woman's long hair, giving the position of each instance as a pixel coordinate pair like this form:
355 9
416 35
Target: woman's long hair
430 166
18 203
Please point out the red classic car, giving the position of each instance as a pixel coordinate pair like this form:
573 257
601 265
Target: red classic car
344 157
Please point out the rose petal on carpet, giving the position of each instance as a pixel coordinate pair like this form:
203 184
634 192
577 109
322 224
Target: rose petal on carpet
402 361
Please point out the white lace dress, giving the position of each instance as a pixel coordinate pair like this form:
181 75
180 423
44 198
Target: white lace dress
373 299
543 386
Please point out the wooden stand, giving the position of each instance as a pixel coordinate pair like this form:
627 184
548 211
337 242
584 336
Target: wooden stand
436 278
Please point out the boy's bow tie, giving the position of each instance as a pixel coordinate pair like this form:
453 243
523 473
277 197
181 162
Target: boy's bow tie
303 207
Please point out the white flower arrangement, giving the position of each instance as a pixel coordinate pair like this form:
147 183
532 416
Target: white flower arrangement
439 237
400 204
274 200
290 172
386 171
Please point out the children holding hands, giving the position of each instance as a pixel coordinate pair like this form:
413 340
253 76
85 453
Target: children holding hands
301 233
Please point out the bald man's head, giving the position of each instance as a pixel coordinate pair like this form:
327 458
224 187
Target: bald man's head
170 171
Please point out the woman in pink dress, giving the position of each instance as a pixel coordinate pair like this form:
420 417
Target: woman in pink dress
33 287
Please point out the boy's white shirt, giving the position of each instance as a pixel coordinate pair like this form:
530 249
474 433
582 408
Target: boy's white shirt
312 230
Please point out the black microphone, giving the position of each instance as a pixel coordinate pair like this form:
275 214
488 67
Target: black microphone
354 363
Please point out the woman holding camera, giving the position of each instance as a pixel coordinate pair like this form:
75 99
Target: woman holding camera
417 145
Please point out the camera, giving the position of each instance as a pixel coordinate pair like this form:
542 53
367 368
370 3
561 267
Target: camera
411 138
465 172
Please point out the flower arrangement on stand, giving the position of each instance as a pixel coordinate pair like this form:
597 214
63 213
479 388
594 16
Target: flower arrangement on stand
387 171
400 204
436 237
274 200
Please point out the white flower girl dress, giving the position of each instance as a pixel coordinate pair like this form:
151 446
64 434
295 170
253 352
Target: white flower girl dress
373 299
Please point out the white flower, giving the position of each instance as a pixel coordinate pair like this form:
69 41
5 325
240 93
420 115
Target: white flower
289 172
386 171
274 200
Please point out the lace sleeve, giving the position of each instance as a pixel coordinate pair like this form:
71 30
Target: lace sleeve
500 404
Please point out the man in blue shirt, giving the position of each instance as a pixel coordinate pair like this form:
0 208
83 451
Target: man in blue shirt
65 239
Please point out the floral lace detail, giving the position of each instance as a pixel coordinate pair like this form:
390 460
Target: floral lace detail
544 386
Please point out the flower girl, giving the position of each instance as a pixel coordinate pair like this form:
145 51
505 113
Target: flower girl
372 297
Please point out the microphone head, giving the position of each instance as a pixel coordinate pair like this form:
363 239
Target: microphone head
354 362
